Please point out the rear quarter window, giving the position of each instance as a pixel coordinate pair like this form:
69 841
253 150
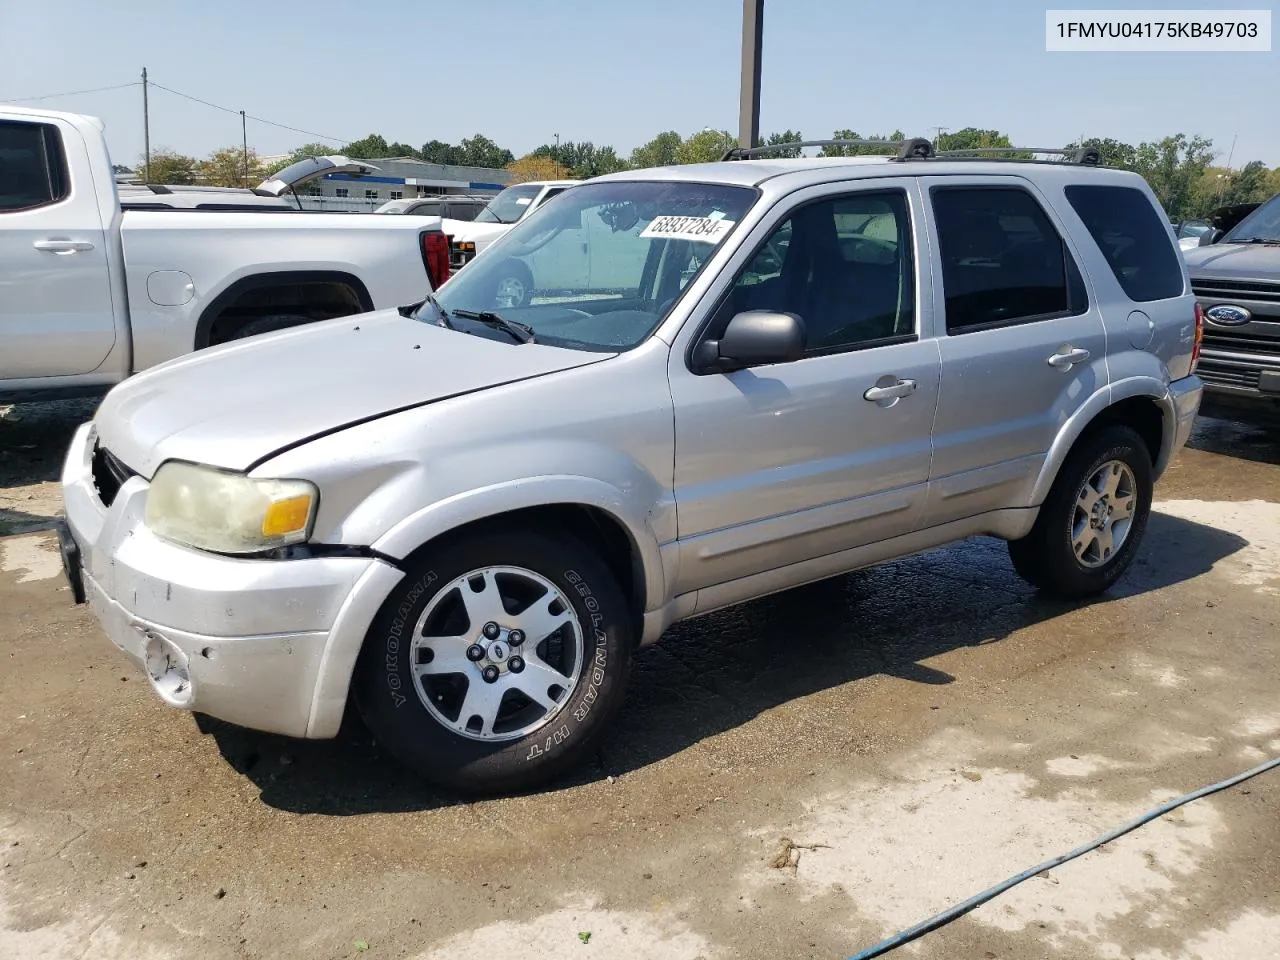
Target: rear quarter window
1132 237
33 169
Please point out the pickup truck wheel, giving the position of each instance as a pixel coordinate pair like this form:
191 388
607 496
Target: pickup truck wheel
515 285
497 662
268 325
1092 521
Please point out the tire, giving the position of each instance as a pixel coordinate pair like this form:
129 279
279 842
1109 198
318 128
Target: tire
514 286
269 324
1049 557
530 742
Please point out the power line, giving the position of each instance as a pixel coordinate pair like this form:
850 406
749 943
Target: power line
71 93
270 123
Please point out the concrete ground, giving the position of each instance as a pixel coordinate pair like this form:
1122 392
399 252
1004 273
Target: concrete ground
795 778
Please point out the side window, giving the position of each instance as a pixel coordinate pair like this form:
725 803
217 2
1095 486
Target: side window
1003 261
553 192
844 266
464 211
1132 238
33 168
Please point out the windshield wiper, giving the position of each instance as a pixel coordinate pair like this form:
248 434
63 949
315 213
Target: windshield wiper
1255 240
521 332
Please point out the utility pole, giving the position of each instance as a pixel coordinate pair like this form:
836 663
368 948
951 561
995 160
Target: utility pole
146 131
244 140
749 98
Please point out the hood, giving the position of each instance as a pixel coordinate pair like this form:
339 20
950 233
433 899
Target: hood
308 168
481 234
1236 261
236 405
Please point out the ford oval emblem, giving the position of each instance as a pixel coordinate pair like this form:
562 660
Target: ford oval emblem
1228 315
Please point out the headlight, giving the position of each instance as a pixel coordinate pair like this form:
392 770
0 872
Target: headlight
228 512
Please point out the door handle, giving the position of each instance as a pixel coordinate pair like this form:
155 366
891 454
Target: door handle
1068 356
63 247
892 391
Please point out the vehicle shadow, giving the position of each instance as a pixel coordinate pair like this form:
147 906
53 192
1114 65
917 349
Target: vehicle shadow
1232 438
715 673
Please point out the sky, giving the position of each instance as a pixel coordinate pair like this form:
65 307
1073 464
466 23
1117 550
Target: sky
617 72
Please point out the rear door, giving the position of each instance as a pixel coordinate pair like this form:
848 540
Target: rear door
56 315
1022 346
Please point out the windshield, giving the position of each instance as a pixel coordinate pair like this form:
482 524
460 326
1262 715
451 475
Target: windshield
1263 223
510 205
598 267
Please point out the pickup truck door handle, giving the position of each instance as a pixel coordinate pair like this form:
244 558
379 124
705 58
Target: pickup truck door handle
63 247
893 391
1068 356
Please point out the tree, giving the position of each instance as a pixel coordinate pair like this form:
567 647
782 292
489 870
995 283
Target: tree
533 167
398 149
437 151
1113 153
1247 185
971 138
658 152
367 148
583 160
480 151
705 146
168 166
856 151
1174 167
227 168
786 136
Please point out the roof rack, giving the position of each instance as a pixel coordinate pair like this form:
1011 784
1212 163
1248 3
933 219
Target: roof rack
915 148
1088 156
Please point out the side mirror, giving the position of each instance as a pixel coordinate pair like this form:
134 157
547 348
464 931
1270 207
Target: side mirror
1211 236
752 339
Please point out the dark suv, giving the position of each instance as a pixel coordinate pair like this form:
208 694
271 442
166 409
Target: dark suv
1236 280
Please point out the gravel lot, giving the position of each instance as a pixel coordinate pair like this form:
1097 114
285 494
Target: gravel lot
797 777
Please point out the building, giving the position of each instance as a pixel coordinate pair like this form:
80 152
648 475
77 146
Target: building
398 178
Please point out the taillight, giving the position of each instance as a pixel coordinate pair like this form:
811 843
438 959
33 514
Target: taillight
1195 350
435 255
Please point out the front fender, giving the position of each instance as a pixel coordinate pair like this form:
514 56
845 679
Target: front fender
1151 388
440 517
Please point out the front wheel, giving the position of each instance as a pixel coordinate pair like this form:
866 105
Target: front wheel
497 662
1092 521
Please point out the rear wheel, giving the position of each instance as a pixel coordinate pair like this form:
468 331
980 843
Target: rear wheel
497 662
1091 524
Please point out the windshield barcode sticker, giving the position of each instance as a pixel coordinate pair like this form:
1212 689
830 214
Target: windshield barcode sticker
705 229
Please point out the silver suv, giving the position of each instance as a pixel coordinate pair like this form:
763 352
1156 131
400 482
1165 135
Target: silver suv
466 516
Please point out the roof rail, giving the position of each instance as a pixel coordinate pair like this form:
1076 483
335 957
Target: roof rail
1088 156
915 148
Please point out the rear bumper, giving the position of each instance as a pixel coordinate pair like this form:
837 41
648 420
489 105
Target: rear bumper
1185 395
267 644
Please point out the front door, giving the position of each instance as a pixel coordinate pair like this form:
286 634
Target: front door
56 314
779 464
1023 346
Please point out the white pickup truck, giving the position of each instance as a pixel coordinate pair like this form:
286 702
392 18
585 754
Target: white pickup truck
91 293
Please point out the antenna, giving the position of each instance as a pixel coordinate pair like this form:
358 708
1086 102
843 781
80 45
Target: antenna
146 131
